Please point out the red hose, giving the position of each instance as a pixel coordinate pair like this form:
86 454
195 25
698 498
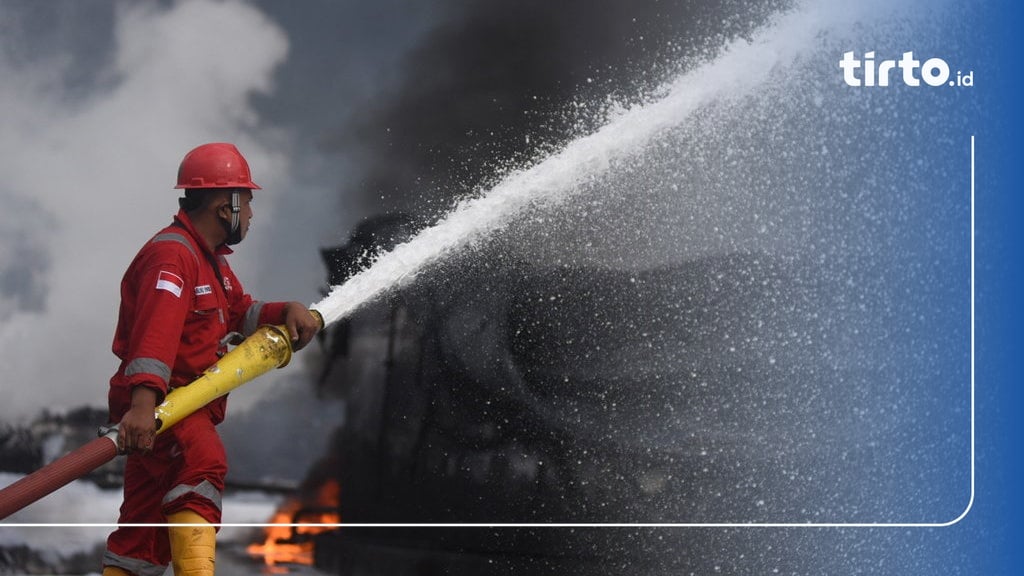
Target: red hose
57 473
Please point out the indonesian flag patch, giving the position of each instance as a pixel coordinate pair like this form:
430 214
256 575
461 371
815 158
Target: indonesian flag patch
170 282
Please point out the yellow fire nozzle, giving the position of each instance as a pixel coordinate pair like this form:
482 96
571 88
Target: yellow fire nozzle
268 348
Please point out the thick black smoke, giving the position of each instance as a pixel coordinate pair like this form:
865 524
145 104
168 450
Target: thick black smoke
497 83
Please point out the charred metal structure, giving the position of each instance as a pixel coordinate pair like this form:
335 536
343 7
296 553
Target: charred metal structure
490 394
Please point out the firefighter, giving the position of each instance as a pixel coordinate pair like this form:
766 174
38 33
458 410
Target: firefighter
181 305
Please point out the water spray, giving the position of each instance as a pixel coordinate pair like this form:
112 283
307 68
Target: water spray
743 66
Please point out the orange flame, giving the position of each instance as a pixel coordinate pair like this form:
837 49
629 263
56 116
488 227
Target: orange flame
287 539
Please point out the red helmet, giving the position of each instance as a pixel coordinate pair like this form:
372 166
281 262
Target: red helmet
216 165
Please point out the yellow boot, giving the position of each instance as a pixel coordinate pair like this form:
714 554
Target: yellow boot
115 571
192 547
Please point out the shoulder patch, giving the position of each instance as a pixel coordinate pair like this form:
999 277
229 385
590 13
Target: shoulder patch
170 282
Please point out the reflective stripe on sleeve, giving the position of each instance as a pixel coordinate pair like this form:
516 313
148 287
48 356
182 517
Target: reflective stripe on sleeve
252 318
204 489
148 366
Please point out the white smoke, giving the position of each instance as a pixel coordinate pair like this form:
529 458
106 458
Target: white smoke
88 175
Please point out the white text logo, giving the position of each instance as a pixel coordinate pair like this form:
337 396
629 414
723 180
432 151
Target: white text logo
933 71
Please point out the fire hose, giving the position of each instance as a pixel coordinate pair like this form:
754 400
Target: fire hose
266 349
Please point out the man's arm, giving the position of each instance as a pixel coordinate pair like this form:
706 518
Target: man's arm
162 290
248 314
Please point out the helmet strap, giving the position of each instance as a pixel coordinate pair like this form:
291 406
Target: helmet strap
234 229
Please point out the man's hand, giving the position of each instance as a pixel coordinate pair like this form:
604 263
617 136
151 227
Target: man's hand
138 427
301 323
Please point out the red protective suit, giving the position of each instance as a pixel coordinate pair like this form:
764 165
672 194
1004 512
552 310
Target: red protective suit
179 301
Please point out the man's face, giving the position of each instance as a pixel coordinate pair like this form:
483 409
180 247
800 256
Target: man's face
244 212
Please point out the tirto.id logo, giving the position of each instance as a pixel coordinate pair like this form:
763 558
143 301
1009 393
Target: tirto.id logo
933 72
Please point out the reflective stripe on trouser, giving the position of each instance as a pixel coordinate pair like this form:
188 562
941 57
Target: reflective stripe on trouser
204 490
188 455
110 570
133 565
